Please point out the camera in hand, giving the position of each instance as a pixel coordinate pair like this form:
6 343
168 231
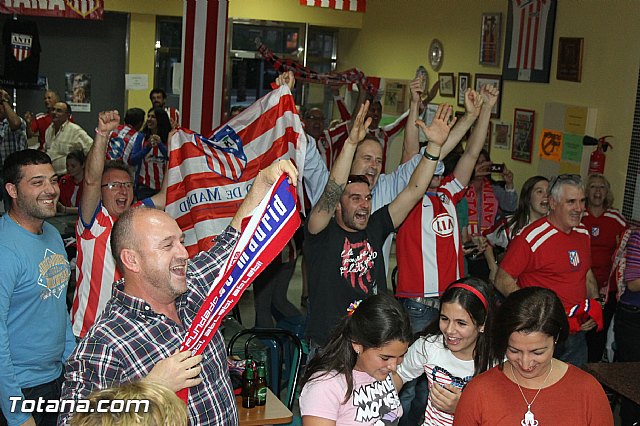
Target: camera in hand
497 168
474 253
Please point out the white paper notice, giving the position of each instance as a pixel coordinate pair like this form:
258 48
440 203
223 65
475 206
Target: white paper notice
136 81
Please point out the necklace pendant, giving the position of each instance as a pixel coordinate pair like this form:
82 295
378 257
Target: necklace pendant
529 420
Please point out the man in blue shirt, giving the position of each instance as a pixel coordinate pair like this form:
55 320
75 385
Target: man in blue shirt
35 328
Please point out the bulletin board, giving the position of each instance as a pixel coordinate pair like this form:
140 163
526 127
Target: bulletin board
560 142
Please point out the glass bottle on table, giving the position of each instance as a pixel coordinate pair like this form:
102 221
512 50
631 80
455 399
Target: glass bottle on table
249 386
261 385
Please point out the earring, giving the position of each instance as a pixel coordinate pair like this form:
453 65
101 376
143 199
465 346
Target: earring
357 352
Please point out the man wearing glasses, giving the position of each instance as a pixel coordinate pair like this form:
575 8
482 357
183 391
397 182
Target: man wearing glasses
555 252
107 193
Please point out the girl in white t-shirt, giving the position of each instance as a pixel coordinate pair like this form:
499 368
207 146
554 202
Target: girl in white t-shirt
350 381
452 349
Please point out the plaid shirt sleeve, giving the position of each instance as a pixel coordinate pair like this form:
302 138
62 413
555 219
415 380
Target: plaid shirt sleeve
91 366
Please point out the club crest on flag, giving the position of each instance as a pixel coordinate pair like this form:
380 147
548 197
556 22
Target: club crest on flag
21 46
83 7
224 153
574 259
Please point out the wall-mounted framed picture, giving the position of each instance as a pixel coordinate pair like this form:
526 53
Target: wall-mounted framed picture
501 135
529 61
494 80
570 59
490 39
447 84
396 97
523 129
464 81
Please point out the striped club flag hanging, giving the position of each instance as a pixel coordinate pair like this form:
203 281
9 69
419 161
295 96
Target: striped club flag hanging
208 177
204 31
349 5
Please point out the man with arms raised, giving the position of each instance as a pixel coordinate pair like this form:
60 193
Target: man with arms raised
107 193
344 251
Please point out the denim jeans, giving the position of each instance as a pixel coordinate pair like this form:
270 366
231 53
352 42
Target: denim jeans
573 350
414 394
47 391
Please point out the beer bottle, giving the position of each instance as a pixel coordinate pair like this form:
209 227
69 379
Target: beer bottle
261 385
249 386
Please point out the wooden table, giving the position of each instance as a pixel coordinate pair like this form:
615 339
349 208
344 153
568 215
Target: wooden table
273 413
621 377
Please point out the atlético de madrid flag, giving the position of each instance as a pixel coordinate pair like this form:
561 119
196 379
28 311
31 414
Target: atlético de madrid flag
209 177
350 5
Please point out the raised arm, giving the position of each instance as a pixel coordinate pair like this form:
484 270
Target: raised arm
94 166
472 110
437 133
324 209
261 186
486 99
411 144
15 122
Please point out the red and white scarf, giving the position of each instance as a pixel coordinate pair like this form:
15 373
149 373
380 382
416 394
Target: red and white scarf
489 207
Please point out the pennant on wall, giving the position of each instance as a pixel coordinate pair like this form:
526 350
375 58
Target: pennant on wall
350 5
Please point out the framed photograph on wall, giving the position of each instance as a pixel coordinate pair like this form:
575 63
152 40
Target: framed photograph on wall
521 61
495 80
501 135
396 97
523 129
464 81
447 84
490 39
569 59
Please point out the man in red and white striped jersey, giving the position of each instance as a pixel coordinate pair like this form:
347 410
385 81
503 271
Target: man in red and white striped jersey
158 98
107 193
428 246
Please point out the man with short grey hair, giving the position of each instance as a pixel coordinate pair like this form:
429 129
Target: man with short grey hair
554 252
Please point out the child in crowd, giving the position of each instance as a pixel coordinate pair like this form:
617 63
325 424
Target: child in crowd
452 349
350 381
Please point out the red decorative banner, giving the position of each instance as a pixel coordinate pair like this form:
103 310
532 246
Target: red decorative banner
78 9
349 5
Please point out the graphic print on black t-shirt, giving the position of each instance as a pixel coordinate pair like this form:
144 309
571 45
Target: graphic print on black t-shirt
357 264
22 51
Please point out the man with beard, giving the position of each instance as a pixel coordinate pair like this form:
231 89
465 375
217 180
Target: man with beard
554 252
152 306
343 241
34 325
158 98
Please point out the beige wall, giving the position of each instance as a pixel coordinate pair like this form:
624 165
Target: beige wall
391 39
395 36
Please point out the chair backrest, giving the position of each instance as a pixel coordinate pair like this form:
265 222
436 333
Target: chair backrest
286 357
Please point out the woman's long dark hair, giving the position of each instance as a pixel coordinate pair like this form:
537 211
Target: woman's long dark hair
479 315
163 125
379 320
521 218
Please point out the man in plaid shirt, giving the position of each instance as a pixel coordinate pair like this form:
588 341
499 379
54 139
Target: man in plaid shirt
142 327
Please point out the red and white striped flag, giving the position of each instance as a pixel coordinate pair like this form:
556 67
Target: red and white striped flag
350 5
204 31
209 177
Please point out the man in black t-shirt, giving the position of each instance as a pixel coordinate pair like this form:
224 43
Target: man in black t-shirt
343 241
